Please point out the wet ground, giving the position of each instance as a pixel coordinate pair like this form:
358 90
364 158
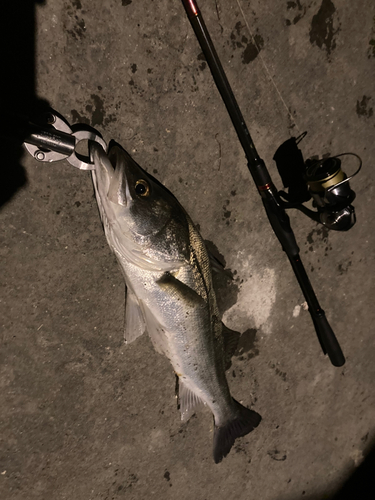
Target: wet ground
82 415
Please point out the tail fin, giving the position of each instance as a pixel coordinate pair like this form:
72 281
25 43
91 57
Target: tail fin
244 422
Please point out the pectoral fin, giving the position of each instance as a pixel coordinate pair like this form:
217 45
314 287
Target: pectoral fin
178 290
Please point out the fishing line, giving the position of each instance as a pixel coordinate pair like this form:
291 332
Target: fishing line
266 68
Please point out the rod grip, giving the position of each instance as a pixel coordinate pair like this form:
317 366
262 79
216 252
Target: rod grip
327 338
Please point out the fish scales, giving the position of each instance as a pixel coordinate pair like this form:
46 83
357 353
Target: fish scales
169 286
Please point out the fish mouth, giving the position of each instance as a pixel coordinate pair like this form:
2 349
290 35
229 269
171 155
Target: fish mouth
117 174
118 189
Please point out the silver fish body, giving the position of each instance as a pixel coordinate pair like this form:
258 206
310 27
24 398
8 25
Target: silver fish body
169 288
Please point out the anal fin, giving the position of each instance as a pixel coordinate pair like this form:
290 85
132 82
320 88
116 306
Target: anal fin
189 401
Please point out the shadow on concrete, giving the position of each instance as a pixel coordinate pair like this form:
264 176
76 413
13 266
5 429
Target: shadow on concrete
359 485
18 90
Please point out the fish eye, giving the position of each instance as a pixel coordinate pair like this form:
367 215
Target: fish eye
142 188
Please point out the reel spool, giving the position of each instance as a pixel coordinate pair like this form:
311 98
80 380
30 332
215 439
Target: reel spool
330 189
323 180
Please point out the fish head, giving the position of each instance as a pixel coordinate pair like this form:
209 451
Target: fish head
136 208
137 201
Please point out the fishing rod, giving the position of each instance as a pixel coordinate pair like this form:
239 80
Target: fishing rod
50 138
327 185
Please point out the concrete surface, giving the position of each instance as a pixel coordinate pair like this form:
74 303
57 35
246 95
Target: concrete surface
82 415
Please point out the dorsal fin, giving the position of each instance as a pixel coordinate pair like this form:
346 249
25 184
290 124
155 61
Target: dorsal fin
230 339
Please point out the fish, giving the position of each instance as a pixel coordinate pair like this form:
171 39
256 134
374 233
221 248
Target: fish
169 291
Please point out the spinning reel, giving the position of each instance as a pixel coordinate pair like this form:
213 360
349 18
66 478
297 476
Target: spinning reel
322 180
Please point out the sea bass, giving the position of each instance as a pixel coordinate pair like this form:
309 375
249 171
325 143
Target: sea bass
169 289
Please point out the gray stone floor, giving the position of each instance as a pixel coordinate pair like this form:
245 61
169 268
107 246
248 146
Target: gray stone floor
82 415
